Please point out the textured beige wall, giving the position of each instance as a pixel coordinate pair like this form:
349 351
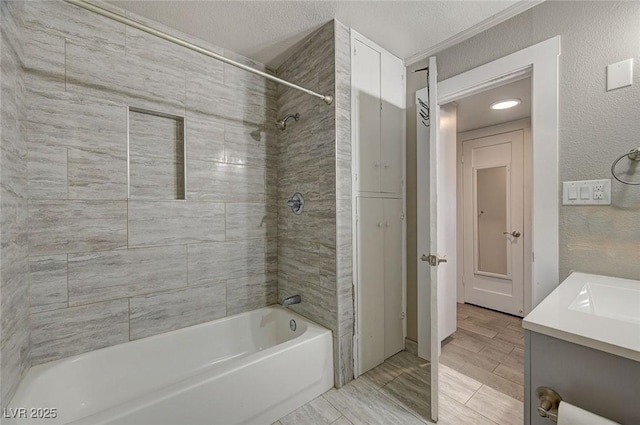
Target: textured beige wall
596 126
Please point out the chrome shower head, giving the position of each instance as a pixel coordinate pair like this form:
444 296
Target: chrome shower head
282 124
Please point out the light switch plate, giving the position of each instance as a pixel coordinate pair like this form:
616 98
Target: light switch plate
620 74
587 192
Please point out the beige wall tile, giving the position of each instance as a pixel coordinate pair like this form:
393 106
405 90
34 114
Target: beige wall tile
118 274
76 226
62 333
167 311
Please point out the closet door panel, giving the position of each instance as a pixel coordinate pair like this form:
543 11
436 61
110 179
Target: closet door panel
393 333
392 124
371 299
366 70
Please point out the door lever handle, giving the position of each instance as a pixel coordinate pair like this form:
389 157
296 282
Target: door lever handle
433 260
515 233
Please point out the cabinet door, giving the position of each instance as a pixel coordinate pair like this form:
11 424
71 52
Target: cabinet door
392 124
371 305
366 79
393 334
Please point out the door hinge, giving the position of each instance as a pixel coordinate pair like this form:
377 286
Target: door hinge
462 159
402 216
354 50
356 176
381 106
403 315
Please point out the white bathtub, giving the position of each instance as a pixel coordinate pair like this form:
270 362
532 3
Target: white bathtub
245 369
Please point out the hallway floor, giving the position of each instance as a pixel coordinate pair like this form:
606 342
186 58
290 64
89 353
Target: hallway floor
485 359
481 382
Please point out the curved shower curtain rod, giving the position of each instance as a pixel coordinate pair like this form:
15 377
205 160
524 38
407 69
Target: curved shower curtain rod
328 99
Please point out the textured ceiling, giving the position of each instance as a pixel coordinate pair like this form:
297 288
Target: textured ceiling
474 112
265 30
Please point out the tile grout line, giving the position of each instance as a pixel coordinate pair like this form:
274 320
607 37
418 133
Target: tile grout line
397 402
474 393
480 413
332 405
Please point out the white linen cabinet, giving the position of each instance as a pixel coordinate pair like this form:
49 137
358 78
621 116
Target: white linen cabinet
378 136
379 124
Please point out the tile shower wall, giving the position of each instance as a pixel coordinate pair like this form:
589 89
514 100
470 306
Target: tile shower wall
314 158
14 284
106 268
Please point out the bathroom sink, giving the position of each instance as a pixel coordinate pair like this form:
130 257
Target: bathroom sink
599 312
620 301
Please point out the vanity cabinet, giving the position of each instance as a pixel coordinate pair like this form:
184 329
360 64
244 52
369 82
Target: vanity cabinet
583 341
594 380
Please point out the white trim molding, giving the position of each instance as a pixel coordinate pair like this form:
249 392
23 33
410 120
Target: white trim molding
504 15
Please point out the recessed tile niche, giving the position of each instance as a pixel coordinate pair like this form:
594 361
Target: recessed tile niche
156 155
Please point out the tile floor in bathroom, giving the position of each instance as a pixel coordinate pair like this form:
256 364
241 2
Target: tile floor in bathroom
481 382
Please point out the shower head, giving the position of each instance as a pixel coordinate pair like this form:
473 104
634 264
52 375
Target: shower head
282 124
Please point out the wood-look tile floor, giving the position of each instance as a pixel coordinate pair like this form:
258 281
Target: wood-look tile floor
473 390
395 393
482 369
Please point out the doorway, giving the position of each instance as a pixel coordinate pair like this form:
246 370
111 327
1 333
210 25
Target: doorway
494 197
541 62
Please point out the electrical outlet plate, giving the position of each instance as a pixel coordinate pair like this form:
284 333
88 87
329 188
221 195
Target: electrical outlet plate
598 192
620 74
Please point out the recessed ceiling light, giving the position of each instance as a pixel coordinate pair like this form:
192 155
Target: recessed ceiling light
505 104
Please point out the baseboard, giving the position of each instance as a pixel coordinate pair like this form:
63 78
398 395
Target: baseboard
411 346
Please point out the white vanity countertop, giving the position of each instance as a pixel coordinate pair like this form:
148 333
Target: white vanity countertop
599 312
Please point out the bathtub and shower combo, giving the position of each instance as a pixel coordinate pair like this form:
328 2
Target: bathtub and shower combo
248 369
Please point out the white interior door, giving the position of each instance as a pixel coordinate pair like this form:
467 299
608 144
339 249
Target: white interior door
447 222
371 270
428 114
493 189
